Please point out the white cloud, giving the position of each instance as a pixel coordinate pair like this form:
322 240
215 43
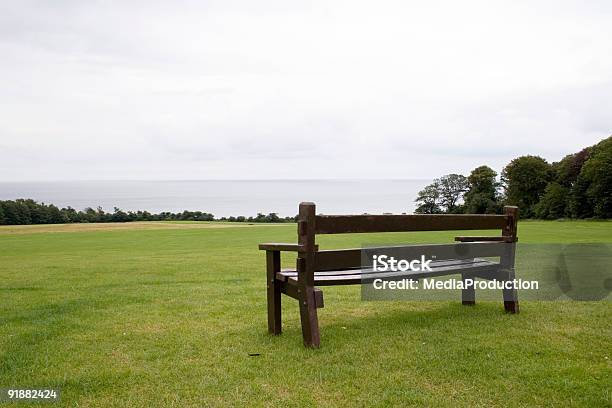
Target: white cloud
266 90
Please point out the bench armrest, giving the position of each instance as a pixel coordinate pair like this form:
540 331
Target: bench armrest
481 239
276 246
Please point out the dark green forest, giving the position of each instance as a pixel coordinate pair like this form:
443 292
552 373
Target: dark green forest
578 186
27 211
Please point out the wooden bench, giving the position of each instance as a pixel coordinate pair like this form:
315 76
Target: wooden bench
347 267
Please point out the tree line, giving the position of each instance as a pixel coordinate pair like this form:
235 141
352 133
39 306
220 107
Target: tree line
28 211
577 186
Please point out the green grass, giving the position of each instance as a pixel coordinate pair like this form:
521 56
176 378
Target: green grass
161 317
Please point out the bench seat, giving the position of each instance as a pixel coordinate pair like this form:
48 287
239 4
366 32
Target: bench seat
355 276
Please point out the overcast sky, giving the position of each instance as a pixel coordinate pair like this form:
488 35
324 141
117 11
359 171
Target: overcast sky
281 89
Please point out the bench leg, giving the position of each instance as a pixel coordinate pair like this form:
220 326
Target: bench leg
468 295
511 304
308 317
273 292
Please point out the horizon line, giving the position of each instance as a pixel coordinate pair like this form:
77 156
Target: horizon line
214 180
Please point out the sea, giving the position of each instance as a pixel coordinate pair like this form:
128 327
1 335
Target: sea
225 197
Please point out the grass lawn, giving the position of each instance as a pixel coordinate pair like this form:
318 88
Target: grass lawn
167 314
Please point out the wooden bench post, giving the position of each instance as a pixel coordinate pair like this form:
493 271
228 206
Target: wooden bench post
305 275
511 304
273 292
468 295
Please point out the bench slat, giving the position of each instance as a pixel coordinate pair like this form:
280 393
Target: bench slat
341 224
484 239
281 246
434 264
352 258
356 276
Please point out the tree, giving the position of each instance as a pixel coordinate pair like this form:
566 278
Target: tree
28 211
451 188
55 216
592 192
553 203
38 213
119 215
17 212
273 217
429 199
101 216
567 170
482 197
71 215
525 179
90 215
556 201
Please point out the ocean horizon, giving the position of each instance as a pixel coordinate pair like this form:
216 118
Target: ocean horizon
225 197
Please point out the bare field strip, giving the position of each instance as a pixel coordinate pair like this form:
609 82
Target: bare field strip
121 226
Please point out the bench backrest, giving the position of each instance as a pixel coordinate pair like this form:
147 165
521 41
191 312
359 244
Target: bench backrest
310 224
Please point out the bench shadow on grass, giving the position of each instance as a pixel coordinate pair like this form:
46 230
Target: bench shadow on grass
350 327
